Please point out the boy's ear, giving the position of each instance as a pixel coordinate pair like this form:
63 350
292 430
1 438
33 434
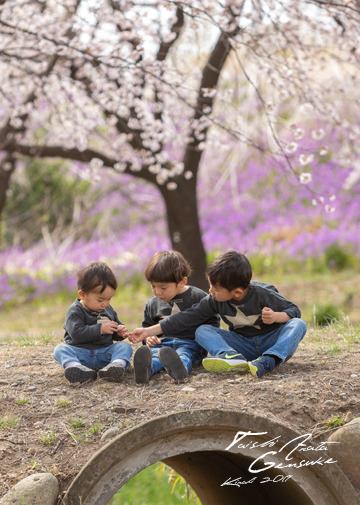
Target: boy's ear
183 282
237 292
81 294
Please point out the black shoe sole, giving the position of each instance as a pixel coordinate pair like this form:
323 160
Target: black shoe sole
173 364
113 373
75 374
142 365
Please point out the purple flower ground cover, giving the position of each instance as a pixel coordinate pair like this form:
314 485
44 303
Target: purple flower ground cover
255 207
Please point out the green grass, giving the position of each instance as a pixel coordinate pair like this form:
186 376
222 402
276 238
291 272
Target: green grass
156 484
94 429
48 438
22 401
8 422
334 338
62 403
78 422
312 291
77 438
40 321
84 430
44 316
334 422
26 341
326 314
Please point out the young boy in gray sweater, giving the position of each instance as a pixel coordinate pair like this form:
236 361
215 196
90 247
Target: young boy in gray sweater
176 350
91 327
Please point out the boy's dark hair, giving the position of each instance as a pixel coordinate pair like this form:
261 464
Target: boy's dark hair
230 270
94 275
167 266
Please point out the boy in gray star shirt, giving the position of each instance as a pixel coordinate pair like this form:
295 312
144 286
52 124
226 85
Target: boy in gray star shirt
264 327
175 350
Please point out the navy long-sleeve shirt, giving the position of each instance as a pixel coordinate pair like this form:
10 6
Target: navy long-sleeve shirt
243 317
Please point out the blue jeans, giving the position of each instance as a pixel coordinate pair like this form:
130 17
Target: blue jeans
281 342
189 351
95 359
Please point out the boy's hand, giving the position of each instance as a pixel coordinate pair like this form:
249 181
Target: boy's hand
137 335
269 316
152 341
122 331
109 327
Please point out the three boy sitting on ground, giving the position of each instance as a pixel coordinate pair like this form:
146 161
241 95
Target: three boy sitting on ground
181 322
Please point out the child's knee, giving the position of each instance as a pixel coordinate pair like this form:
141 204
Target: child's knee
202 330
127 346
301 325
122 345
59 349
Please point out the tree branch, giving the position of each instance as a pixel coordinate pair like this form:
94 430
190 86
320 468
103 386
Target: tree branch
210 77
75 155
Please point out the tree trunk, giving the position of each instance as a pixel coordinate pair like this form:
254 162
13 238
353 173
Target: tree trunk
184 228
7 166
6 169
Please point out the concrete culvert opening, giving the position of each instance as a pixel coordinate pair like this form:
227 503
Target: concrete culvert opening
215 452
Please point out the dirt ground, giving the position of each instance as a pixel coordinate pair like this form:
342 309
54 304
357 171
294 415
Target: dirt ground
48 425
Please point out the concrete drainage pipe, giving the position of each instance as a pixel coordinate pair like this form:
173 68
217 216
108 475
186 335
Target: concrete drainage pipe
227 457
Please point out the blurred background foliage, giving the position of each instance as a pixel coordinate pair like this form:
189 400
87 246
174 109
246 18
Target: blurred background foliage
60 216
45 200
156 484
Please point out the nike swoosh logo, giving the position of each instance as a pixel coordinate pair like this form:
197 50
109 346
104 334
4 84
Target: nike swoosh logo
231 356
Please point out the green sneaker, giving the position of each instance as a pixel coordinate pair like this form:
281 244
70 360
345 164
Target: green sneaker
226 362
261 366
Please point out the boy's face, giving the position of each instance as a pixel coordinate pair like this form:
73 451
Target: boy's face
221 294
95 300
166 291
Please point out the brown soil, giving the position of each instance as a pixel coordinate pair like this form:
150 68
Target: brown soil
315 386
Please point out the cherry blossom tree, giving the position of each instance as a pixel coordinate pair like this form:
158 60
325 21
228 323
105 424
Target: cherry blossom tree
146 88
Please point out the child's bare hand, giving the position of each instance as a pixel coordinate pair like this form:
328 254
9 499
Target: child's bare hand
122 331
152 341
137 335
268 315
109 327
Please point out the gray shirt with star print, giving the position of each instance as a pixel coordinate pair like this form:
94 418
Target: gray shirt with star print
157 310
243 317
